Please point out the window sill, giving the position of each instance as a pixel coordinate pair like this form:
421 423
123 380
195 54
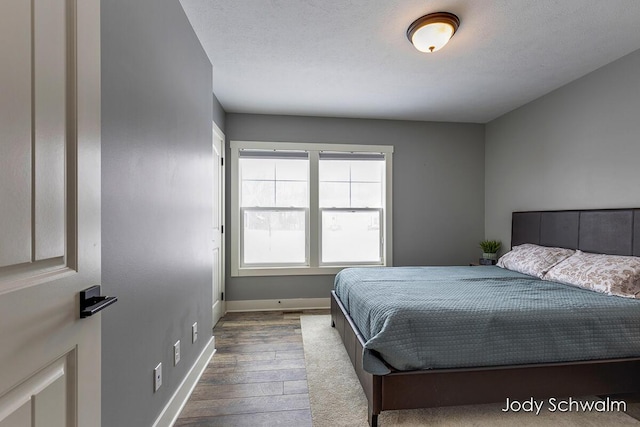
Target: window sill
293 271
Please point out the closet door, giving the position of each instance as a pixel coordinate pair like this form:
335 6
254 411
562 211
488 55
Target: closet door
218 305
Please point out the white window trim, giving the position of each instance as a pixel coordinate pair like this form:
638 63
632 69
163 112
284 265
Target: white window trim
314 212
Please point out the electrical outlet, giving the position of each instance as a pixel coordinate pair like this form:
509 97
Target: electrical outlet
157 377
194 332
176 353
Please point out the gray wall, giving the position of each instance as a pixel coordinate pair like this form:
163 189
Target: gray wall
156 199
575 148
218 113
438 190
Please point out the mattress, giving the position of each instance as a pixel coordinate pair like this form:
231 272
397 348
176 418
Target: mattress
415 318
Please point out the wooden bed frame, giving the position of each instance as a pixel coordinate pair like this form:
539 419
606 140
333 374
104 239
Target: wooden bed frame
610 231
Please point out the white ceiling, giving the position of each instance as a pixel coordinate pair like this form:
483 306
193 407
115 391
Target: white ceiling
351 58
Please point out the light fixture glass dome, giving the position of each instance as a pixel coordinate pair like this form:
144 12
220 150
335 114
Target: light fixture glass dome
431 32
432 37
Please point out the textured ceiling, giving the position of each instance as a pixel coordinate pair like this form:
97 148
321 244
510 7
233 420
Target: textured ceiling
351 58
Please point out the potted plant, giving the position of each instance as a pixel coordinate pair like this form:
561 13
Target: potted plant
490 250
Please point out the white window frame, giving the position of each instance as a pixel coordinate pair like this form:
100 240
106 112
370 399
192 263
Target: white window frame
314 266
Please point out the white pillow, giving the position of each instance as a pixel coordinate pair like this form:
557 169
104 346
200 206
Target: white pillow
532 259
609 274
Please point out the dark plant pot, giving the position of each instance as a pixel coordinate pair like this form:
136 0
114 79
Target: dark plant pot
487 255
484 261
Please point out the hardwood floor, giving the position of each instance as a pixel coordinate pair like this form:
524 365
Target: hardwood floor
257 376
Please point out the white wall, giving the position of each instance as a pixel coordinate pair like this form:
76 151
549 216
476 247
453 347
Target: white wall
577 147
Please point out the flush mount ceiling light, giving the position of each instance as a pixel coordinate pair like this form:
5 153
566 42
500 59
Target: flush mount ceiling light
431 32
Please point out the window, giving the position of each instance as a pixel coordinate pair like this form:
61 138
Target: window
351 207
309 208
274 207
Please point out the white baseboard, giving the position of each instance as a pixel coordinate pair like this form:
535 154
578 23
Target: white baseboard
279 304
170 413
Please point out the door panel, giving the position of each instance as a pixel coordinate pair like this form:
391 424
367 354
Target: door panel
35 135
21 417
49 116
15 125
40 400
50 210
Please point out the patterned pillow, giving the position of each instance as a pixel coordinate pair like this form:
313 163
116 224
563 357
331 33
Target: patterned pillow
532 259
609 274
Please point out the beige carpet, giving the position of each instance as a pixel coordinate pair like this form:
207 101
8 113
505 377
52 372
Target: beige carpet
337 398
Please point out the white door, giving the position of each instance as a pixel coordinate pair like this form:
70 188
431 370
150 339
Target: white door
49 211
218 307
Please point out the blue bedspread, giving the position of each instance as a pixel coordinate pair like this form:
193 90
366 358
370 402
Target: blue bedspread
450 317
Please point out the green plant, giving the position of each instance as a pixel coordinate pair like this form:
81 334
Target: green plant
490 246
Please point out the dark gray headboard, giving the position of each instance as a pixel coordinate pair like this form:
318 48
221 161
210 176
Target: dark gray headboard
605 231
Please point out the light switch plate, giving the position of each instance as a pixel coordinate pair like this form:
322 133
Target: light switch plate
176 353
157 377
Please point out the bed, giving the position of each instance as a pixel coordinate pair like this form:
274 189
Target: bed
494 376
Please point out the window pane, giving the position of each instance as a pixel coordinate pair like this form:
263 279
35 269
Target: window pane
274 182
350 237
364 179
274 237
334 195
334 170
258 169
366 170
291 194
292 169
258 193
366 195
